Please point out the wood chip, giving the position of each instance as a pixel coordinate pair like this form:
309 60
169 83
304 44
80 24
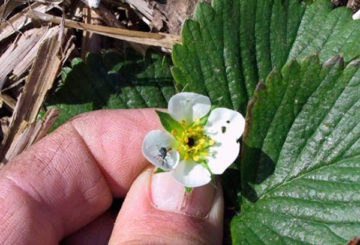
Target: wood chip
40 80
143 7
31 134
109 18
90 42
18 51
4 124
354 5
6 99
153 39
26 62
19 20
172 12
9 6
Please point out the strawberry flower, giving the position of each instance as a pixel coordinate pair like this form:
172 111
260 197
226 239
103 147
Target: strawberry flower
199 142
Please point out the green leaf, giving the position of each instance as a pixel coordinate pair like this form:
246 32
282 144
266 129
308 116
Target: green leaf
229 47
301 157
113 81
159 171
169 123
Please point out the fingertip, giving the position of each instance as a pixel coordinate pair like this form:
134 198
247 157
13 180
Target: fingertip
114 137
178 219
96 233
69 177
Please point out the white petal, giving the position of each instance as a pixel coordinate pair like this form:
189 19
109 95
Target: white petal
191 174
356 16
188 106
222 155
157 149
224 124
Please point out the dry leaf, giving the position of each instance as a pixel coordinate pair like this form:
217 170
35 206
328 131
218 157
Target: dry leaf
40 80
153 39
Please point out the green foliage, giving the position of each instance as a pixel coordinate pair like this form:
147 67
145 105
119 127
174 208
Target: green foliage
226 50
301 157
159 171
113 81
169 123
232 45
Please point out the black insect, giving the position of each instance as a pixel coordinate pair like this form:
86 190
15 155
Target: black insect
163 152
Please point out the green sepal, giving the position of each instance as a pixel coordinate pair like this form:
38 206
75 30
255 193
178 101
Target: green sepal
204 120
168 122
188 189
159 170
213 181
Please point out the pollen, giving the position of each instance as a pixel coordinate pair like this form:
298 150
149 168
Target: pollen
211 142
197 148
196 158
173 132
182 122
186 140
205 153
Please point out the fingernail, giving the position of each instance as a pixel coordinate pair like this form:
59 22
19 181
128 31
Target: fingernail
169 195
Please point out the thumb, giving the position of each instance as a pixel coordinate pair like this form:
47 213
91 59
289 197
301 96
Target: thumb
157 210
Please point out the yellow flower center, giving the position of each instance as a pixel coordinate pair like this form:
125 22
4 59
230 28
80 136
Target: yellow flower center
192 143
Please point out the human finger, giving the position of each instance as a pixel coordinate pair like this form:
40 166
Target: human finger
157 210
96 233
69 178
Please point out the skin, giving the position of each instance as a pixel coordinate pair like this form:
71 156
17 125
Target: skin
61 188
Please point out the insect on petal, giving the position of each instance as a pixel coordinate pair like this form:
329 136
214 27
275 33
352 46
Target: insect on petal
157 149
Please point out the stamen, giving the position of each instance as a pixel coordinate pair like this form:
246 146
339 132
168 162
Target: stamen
194 143
186 139
196 158
205 153
173 132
